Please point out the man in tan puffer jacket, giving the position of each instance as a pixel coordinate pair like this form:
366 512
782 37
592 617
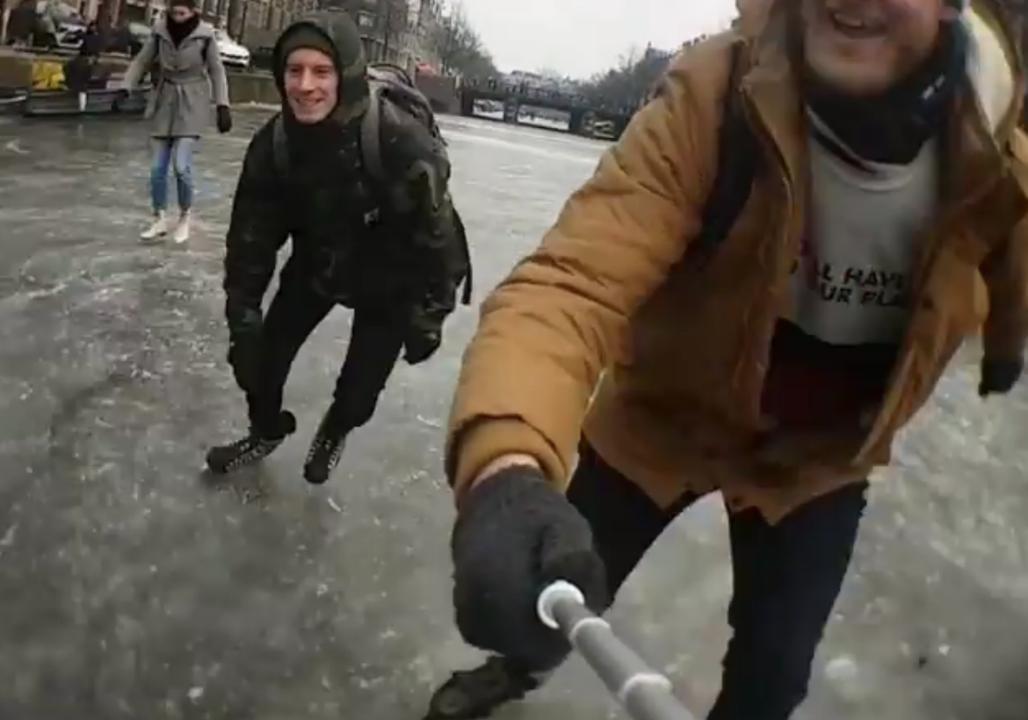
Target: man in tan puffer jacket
884 226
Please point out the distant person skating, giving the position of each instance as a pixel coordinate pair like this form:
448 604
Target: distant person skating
186 53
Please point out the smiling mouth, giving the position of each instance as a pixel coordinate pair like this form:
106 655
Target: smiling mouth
854 26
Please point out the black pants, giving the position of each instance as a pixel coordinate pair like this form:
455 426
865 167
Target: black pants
786 579
375 344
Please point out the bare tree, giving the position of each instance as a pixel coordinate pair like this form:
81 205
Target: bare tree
394 21
630 84
460 48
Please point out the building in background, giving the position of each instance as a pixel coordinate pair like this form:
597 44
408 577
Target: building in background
253 22
402 32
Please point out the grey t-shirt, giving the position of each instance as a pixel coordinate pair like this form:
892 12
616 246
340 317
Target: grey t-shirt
852 283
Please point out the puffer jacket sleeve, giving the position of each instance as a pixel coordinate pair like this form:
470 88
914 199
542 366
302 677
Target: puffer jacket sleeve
141 63
562 316
1005 271
257 230
216 72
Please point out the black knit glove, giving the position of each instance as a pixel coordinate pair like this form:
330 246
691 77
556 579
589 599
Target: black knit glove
224 119
425 330
244 347
515 535
999 376
421 346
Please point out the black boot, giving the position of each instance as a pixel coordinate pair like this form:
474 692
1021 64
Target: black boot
476 693
326 449
253 448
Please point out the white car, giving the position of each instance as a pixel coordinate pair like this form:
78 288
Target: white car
232 53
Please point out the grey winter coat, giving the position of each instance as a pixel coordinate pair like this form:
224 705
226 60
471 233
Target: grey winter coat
190 74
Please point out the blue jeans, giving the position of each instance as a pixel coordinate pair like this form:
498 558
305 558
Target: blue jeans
178 153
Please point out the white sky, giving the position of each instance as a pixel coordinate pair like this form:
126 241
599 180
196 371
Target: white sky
582 37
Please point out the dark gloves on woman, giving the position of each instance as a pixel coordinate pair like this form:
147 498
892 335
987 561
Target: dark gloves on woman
515 535
224 119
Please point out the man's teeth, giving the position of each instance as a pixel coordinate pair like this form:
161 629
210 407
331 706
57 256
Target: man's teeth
849 21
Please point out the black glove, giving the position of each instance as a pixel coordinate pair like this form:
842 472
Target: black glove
244 348
224 119
420 346
424 331
515 535
999 376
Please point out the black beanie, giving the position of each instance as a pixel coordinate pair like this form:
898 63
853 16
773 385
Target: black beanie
305 36
336 35
191 4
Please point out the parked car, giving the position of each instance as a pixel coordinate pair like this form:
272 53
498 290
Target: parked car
70 34
604 130
232 53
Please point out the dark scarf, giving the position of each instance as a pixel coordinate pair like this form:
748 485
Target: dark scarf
894 126
180 31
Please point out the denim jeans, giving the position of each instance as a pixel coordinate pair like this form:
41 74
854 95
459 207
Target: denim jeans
177 153
786 579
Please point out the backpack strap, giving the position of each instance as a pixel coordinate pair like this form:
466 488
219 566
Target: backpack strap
737 158
280 148
468 279
371 136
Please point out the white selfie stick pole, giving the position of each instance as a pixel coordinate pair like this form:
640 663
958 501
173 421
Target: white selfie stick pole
643 692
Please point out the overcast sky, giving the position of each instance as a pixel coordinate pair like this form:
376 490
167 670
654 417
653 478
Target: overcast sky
582 37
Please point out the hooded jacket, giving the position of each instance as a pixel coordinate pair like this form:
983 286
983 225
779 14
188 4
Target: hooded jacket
663 363
191 77
354 240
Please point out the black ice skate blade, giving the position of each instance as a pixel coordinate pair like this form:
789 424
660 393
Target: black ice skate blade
470 695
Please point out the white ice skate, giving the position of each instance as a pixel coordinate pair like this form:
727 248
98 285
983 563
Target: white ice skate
159 228
182 229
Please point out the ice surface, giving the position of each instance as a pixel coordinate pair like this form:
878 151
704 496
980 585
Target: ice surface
132 586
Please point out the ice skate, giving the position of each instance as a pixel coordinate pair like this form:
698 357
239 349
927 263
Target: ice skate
181 234
477 693
157 229
326 449
251 449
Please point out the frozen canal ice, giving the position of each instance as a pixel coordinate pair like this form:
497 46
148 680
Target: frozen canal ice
132 586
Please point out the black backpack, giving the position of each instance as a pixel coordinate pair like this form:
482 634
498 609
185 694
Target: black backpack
738 157
392 84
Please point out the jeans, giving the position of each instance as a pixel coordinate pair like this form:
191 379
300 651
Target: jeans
375 344
178 153
786 579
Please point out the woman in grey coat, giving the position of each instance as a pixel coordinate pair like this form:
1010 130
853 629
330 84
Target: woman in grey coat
186 53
